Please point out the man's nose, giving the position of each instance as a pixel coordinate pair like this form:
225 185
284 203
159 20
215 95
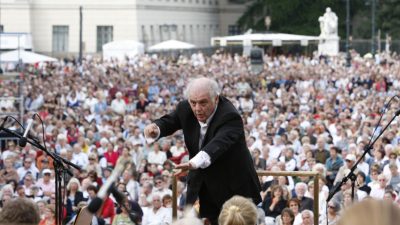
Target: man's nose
197 107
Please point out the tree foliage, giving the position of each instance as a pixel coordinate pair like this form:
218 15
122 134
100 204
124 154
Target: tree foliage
389 17
301 16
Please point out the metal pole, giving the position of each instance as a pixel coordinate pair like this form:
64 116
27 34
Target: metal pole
348 56
373 7
174 198
80 35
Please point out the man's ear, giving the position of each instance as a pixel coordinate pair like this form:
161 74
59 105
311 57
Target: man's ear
216 99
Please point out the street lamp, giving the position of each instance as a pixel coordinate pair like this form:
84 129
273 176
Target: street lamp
373 7
373 15
348 56
267 22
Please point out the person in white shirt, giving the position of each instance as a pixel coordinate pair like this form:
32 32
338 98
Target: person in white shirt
27 168
157 214
378 192
178 149
118 105
160 187
46 184
156 156
78 157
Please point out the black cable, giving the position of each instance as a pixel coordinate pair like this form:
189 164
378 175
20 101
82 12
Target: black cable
380 119
16 121
56 168
44 140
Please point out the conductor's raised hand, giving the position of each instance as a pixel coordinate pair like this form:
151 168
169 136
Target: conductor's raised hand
151 131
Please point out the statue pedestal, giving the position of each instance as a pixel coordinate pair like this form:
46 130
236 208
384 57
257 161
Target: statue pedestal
328 45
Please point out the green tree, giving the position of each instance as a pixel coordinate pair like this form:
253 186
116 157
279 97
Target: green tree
389 17
296 16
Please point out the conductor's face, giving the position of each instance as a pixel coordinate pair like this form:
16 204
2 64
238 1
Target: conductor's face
202 104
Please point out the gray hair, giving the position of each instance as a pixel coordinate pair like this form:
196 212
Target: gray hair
301 184
309 212
203 82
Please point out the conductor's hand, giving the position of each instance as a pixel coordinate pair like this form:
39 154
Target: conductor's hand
151 131
183 168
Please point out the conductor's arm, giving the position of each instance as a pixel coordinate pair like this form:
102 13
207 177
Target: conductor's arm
162 127
227 135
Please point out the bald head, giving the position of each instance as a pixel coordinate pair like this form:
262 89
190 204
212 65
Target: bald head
203 85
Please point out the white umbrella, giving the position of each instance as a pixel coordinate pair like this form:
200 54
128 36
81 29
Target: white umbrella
120 49
25 56
171 45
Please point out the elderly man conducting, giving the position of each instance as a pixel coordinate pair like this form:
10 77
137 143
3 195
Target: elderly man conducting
220 163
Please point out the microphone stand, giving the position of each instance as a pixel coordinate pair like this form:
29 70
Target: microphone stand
351 174
59 168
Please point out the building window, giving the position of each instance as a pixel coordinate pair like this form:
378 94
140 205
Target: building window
152 37
60 38
233 29
183 33
144 35
104 35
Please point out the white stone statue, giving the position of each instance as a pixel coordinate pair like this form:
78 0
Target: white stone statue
328 24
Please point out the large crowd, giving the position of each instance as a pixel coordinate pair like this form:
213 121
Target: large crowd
300 114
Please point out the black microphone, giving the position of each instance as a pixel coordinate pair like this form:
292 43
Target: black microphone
119 196
95 205
104 191
23 140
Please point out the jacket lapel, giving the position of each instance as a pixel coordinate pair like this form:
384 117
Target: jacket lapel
212 124
196 137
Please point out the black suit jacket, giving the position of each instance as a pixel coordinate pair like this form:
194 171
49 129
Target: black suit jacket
78 197
231 171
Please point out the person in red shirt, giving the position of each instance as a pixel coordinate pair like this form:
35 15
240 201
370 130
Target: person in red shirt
111 155
107 210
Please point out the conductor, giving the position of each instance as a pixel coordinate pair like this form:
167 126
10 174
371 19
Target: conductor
220 164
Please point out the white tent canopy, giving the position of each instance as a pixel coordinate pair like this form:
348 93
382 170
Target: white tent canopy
121 49
25 56
171 45
275 39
